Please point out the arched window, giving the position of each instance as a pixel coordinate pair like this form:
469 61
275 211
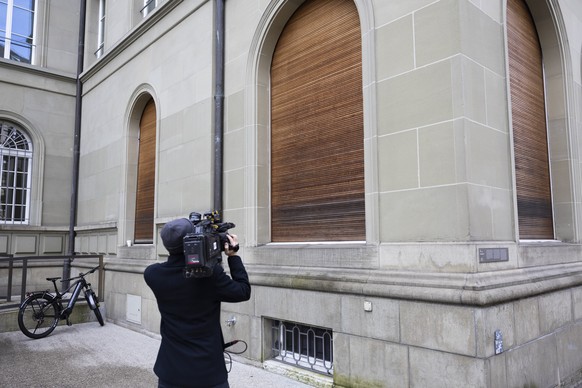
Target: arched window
16 155
532 170
146 176
317 137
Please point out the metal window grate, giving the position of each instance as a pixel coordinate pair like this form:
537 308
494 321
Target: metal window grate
303 346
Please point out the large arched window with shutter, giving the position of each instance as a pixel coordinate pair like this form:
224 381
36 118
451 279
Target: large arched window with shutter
146 173
317 140
534 197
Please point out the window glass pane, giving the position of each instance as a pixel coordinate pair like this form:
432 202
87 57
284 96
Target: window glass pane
7 212
4 176
18 213
21 52
22 166
3 8
10 179
26 4
22 31
20 180
148 7
20 197
22 22
9 196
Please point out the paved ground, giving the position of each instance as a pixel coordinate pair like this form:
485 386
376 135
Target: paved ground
88 355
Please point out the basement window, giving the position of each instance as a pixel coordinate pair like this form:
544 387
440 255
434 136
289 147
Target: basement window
304 346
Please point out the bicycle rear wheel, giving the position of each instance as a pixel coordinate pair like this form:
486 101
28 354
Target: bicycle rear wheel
38 316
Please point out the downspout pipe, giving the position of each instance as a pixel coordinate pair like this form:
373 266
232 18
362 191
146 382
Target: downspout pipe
218 103
76 144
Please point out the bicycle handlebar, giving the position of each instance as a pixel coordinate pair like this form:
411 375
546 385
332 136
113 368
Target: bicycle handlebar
81 275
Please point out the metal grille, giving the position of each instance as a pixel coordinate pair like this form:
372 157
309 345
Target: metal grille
303 346
15 177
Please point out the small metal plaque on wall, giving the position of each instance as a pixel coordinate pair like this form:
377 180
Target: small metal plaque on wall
492 255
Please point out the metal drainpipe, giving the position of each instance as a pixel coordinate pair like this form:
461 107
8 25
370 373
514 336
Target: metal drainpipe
77 143
218 103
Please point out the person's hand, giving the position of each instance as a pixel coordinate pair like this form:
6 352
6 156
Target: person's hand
231 247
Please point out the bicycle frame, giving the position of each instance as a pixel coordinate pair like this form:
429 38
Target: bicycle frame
77 286
41 311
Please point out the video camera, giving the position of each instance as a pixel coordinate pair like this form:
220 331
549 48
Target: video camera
203 247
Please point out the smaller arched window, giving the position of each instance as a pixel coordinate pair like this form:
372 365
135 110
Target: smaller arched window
15 174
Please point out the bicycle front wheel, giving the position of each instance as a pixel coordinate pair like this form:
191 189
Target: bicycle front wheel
38 316
93 303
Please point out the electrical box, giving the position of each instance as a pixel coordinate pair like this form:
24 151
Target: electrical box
133 308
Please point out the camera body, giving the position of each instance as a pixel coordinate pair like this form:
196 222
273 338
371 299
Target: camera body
204 246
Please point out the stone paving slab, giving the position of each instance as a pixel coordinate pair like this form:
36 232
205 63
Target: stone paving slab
89 355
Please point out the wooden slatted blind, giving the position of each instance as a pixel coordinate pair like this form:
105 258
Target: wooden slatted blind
317 144
146 172
534 202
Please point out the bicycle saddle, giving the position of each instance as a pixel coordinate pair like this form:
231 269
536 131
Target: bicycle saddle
53 279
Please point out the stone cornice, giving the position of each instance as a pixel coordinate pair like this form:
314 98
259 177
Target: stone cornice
36 77
474 289
37 70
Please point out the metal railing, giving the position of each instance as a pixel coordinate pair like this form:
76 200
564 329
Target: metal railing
10 259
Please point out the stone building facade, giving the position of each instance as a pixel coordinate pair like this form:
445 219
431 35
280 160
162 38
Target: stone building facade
405 176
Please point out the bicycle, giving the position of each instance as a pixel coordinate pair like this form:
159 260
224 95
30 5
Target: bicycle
41 311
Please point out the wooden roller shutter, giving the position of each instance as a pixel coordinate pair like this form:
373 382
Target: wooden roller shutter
534 201
317 149
146 173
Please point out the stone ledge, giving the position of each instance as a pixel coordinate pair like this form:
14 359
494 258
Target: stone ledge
474 289
137 252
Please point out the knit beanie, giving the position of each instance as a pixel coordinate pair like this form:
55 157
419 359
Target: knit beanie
173 233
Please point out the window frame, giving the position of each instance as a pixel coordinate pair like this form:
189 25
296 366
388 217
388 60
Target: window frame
8 34
147 7
101 29
18 154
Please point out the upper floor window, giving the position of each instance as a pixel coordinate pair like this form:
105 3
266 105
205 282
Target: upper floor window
15 174
17 29
101 29
148 7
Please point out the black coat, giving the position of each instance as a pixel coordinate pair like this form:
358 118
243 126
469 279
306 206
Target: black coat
191 351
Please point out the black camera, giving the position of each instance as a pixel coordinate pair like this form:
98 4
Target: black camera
203 247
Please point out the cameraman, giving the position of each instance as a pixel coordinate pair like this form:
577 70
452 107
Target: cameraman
191 350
